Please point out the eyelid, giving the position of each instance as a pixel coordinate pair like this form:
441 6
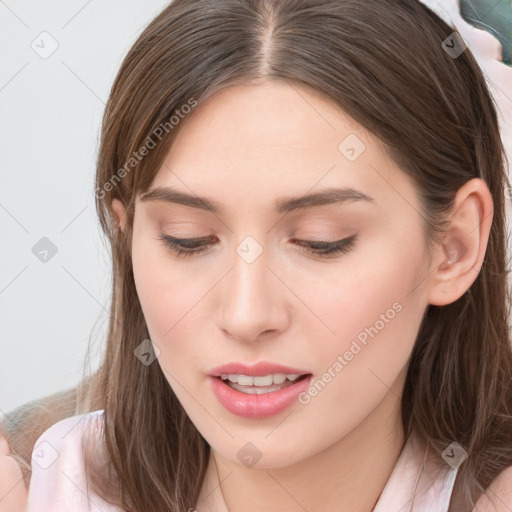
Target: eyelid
318 248
189 240
199 239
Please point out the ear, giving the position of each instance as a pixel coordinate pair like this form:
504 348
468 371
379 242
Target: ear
458 262
120 213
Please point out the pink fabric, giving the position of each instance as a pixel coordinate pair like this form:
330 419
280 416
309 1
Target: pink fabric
430 494
58 482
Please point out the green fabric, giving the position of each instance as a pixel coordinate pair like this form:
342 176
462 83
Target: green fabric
494 16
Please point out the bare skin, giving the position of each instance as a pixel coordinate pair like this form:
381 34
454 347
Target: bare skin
246 147
283 485
13 493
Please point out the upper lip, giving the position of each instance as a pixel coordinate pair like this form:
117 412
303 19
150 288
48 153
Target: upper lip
256 370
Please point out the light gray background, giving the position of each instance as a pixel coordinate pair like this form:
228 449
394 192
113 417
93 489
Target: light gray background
49 128
50 119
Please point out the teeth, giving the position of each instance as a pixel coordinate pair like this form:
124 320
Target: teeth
266 380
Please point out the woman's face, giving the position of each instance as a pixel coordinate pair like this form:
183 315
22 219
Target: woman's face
257 294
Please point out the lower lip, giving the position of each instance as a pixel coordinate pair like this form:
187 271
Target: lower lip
257 406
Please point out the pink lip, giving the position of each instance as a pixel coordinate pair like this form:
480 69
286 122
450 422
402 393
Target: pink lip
257 370
257 406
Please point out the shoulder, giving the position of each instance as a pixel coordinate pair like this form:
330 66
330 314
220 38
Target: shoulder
13 493
58 474
66 432
500 492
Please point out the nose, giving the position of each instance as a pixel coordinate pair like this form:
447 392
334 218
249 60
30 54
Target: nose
253 301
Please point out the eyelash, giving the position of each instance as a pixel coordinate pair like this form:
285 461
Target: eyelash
317 248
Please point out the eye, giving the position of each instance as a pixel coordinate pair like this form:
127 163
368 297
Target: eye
185 246
327 249
190 246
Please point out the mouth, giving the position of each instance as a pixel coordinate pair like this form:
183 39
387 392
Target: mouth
258 385
258 396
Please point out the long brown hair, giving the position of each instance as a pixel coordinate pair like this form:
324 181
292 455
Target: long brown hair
384 64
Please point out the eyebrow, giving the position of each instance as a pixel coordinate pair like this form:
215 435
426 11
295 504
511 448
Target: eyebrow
282 205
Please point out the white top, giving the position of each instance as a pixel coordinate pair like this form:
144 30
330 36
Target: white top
58 479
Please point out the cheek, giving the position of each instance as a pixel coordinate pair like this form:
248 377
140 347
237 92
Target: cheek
172 301
373 311
150 282
165 292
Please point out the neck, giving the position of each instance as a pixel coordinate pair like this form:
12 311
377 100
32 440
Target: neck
348 476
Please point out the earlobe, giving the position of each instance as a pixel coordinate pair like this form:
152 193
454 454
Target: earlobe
460 258
119 212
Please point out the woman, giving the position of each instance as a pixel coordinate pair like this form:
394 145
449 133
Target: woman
267 328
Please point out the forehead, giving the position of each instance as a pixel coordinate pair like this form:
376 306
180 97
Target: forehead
251 144
263 121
